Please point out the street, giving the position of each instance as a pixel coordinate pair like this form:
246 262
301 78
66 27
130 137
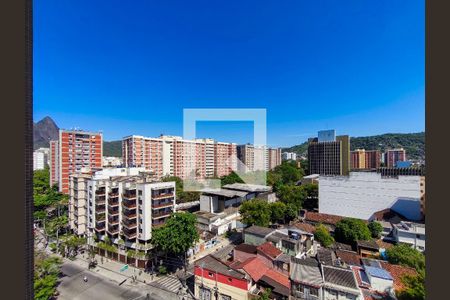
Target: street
99 287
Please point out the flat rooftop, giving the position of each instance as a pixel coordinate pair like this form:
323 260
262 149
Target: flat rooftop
224 193
248 187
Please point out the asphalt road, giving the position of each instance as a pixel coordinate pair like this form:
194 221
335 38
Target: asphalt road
72 286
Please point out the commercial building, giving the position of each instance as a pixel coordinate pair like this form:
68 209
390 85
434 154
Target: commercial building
123 204
362 194
289 156
329 154
410 233
175 156
365 159
392 156
41 158
258 158
75 150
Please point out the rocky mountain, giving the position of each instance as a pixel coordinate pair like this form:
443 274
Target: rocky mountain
44 131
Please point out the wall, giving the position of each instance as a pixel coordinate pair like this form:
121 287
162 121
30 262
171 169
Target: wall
361 194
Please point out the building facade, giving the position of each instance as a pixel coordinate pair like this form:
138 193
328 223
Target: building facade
75 150
393 156
361 194
41 158
410 233
175 156
329 154
121 204
289 156
255 158
365 159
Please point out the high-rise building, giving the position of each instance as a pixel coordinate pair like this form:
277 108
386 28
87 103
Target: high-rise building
358 159
40 158
258 158
393 156
329 154
289 156
123 204
74 151
175 156
365 159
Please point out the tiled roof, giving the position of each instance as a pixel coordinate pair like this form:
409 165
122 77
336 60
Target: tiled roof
258 230
255 267
397 273
322 218
269 249
339 277
359 272
349 257
278 281
213 264
383 244
388 215
247 248
326 256
374 295
305 227
371 244
378 272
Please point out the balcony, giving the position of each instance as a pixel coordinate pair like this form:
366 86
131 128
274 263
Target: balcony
113 194
129 204
113 221
100 227
157 205
130 234
113 202
129 225
158 224
113 229
100 201
129 195
162 196
100 210
113 212
161 214
129 216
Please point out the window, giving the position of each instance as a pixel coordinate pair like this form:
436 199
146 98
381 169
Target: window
230 279
205 294
140 193
314 291
300 288
225 297
210 274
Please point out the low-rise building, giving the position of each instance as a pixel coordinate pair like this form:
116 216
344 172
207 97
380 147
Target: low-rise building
41 158
410 233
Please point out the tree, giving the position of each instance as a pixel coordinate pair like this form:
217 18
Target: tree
292 194
404 254
375 229
230 179
322 235
182 196
177 235
46 272
265 295
289 172
255 212
277 212
312 196
349 230
45 287
415 287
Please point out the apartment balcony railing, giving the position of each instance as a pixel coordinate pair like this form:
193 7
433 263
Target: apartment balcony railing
129 205
113 194
100 227
129 195
161 214
113 229
113 202
113 212
100 201
131 234
130 216
158 224
156 205
162 196
100 192
100 210
113 221
129 225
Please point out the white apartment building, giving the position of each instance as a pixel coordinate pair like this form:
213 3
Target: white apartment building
175 156
410 233
111 161
41 158
289 156
361 194
123 204
256 158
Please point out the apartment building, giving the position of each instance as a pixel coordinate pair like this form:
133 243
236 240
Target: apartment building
329 154
289 156
123 204
393 156
410 233
41 158
255 158
175 156
75 150
365 159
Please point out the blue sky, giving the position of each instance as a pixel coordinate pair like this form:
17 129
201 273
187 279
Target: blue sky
131 67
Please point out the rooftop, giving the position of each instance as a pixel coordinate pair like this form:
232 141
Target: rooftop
269 249
378 272
370 244
339 277
224 193
326 256
248 187
410 227
397 272
306 270
349 257
258 230
305 227
322 218
246 248
213 264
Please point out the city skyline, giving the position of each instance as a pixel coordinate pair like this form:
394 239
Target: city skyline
99 70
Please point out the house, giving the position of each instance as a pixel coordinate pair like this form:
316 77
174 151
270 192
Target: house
410 233
348 258
398 272
256 235
243 251
306 278
293 241
379 279
253 191
326 257
314 218
216 223
340 283
214 276
368 248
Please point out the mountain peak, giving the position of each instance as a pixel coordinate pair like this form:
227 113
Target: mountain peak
44 131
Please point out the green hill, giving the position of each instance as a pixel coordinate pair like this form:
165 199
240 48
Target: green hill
413 143
113 148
